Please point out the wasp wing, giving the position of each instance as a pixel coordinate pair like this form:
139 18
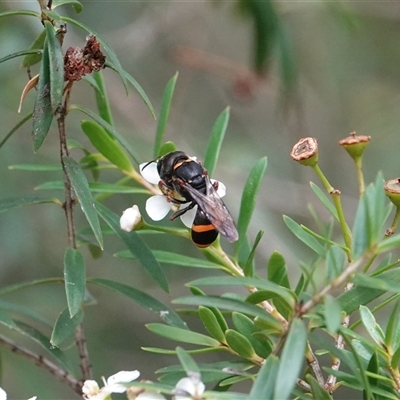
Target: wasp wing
215 210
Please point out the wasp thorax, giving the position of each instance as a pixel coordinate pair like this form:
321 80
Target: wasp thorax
355 144
305 151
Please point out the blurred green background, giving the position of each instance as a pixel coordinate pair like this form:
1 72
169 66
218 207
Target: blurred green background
337 72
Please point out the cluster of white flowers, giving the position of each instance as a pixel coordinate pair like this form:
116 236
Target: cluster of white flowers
190 388
158 206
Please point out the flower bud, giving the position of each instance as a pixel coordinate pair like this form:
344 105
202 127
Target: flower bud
131 219
305 151
355 144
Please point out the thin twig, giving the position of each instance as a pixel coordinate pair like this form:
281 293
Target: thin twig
69 214
45 363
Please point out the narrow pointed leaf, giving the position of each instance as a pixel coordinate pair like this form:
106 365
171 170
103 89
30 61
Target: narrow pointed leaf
292 359
110 129
164 114
167 314
76 4
44 341
277 271
239 343
56 66
9 203
211 324
42 111
249 267
187 361
248 201
30 52
334 261
231 305
65 326
102 101
14 129
332 314
23 310
106 145
324 200
371 325
38 43
305 237
175 259
264 385
136 246
318 392
182 335
215 141
75 279
82 192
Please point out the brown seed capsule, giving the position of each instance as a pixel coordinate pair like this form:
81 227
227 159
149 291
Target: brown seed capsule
392 190
305 151
355 144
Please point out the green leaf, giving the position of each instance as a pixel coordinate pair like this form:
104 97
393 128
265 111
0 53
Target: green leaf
182 335
366 281
350 300
291 360
75 279
231 305
111 54
370 217
56 66
334 261
14 129
76 4
187 361
248 201
65 326
239 343
325 200
304 236
249 267
31 52
283 293
95 187
106 145
164 114
36 167
393 328
22 310
318 392
175 259
20 12
332 314
215 141
166 148
136 246
246 327
36 48
389 243
44 341
371 325
168 315
9 203
102 101
42 110
136 86
211 324
277 271
264 385
81 188
110 129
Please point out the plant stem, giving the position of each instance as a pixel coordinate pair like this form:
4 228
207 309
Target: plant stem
45 363
360 176
69 214
335 194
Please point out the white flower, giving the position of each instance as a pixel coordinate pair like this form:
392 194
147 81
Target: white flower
158 206
130 219
114 384
189 388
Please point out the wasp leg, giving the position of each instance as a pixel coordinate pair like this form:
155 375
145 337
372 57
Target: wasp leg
182 211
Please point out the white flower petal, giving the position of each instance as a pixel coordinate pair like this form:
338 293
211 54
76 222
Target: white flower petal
130 218
33 398
221 191
157 207
3 394
123 377
188 217
90 388
150 172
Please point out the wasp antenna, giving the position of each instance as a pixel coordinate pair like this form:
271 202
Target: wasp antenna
156 159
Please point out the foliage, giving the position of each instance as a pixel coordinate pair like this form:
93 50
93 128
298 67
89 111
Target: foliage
274 337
